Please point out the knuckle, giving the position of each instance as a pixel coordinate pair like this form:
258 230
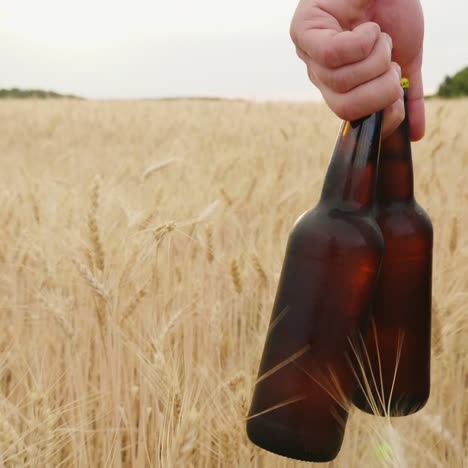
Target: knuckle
302 41
375 27
388 39
386 60
385 52
300 53
394 90
345 110
400 112
311 75
397 70
340 82
394 117
330 55
365 41
293 31
362 46
382 65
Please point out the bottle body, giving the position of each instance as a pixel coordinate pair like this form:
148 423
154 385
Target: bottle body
301 399
396 362
398 345
305 381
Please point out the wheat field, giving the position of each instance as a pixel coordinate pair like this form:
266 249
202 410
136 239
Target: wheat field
141 244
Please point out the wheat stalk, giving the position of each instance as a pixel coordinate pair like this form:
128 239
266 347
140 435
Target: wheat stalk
277 227
35 207
162 231
146 221
92 281
184 441
250 190
132 305
436 149
434 423
59 316
454 236
260 270
157 166
9 215
229 451
24 260
11 444
236 276
209 244
178 273
102 294
169 325
93 225
226 197
281 171
129 265
438 337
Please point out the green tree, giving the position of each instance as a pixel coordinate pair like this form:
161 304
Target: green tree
455 86
17 93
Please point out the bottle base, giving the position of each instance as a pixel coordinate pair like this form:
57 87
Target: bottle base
285 442
398 408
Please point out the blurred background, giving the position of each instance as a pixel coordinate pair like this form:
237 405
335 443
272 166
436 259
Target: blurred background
124 49
142 240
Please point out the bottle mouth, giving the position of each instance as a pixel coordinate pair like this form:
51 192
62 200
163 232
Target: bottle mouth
404 83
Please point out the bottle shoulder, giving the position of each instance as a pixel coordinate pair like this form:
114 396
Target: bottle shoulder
327 231
404 219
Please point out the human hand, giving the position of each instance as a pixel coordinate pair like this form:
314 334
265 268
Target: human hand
354 49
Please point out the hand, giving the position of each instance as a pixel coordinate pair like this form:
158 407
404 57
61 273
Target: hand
354 49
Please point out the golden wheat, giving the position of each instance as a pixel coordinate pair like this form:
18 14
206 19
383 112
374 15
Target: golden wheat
236 276
170 381
260 270
93 226
209 244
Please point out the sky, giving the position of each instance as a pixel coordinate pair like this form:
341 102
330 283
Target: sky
123 49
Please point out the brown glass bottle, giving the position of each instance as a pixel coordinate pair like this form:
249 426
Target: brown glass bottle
397 369
301 398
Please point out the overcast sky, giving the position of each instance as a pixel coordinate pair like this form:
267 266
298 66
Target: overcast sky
157 48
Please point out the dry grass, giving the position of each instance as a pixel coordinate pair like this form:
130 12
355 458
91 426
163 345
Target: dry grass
136 293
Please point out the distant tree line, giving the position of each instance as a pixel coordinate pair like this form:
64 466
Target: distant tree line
33 93
452 86
455 86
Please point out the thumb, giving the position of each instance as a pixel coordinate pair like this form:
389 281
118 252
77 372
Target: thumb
416 108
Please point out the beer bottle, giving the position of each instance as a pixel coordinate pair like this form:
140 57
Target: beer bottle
305 382
395 376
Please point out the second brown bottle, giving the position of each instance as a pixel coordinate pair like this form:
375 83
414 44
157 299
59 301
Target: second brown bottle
395 371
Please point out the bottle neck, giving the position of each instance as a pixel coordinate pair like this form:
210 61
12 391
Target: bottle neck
395 179
351 175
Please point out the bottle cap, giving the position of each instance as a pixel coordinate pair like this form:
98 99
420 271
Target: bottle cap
404 83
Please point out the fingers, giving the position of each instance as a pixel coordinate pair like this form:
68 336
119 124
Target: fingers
416 107
417 119
333 49
393 116
355 73
344 79
353 70
367 98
